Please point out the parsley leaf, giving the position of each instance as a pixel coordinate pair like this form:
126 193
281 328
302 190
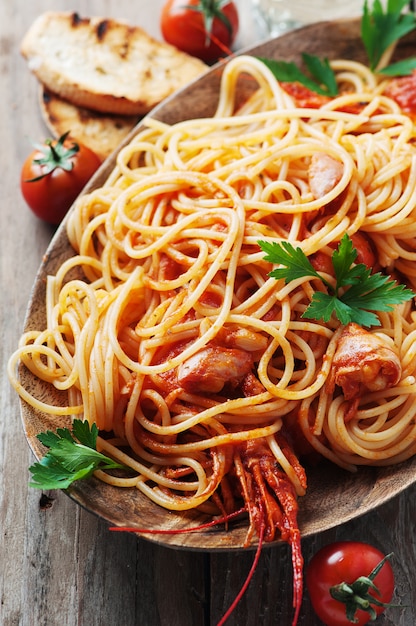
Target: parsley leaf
322 72
321 79
296 263
357 291
401 68
71 456
323 305
342 261
380 29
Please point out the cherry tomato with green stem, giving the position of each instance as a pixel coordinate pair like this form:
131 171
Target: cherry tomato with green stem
54 174
202 28
349 582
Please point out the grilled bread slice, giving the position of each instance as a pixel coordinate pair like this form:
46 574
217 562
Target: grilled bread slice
101 132
103 64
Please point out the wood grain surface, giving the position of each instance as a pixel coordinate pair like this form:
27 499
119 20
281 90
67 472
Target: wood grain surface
61 565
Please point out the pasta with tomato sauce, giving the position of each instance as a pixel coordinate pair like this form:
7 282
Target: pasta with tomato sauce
167 331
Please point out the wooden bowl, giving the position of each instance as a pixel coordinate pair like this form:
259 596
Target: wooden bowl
334 496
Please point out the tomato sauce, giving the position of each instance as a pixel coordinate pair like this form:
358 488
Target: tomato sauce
403 91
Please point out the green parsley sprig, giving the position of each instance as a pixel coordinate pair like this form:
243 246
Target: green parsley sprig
71 456
381 29
356 293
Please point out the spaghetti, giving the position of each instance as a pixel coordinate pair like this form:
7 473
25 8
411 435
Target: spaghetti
166 330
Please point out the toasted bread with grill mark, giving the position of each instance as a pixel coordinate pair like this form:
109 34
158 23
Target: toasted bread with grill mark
105 64
101 132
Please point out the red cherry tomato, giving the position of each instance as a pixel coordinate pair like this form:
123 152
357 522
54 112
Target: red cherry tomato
345 562
203 28
53 175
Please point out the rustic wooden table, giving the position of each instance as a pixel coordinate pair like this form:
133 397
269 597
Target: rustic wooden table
60 565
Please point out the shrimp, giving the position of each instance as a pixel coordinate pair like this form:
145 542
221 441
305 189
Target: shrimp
324 173
212 367
362 362
268 494
271 502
